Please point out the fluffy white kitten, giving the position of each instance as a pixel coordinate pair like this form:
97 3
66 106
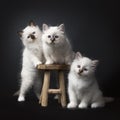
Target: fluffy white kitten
56 46
83 89
32 56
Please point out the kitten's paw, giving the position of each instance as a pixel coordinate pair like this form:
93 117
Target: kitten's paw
38 63
49 62
96 105
82 105
21 99
71 105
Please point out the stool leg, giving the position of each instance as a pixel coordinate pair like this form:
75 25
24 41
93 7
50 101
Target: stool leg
44 94
62 88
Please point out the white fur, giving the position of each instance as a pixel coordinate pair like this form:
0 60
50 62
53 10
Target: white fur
83 89
32 56
60 50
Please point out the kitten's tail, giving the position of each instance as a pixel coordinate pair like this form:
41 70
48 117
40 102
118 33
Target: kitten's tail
16 93
108 99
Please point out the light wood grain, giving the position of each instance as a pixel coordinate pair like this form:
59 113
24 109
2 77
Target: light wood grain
53 67
62 88
44 94
54 91
46 83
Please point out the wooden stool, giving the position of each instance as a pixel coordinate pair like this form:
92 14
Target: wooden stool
46 83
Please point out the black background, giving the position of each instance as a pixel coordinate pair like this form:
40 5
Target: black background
91 25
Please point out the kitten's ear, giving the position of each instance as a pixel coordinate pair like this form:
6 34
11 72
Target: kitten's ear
95 63
31 23
61 27
20 33
45 27
78 55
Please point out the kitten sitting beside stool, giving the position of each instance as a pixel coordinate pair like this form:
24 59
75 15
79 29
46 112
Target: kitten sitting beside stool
83 89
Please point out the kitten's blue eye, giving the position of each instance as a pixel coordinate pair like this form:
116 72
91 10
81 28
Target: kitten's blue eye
56 36
85 69
78 66
33 33
49 36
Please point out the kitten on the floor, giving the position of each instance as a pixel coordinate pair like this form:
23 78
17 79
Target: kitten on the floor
31 57
56 46
83 89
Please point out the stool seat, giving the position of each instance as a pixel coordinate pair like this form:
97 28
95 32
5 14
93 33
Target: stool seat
53 67
60 68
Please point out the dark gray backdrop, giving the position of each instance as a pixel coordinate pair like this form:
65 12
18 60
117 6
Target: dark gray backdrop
92 26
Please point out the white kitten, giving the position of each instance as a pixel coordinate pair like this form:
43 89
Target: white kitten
83 89
56 46
32 56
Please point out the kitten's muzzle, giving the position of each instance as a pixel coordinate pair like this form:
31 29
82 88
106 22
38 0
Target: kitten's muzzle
52 40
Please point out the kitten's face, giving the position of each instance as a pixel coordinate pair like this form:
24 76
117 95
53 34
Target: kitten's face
30 34
84 66
53 35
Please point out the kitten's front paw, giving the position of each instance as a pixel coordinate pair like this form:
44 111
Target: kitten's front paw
71 105
82 105
21 99
38 63
49 62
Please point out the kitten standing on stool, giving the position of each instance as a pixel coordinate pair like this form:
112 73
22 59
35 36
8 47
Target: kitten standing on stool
32 56
83 89
56 46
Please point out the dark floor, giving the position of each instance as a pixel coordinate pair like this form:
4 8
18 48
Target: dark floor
11 109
